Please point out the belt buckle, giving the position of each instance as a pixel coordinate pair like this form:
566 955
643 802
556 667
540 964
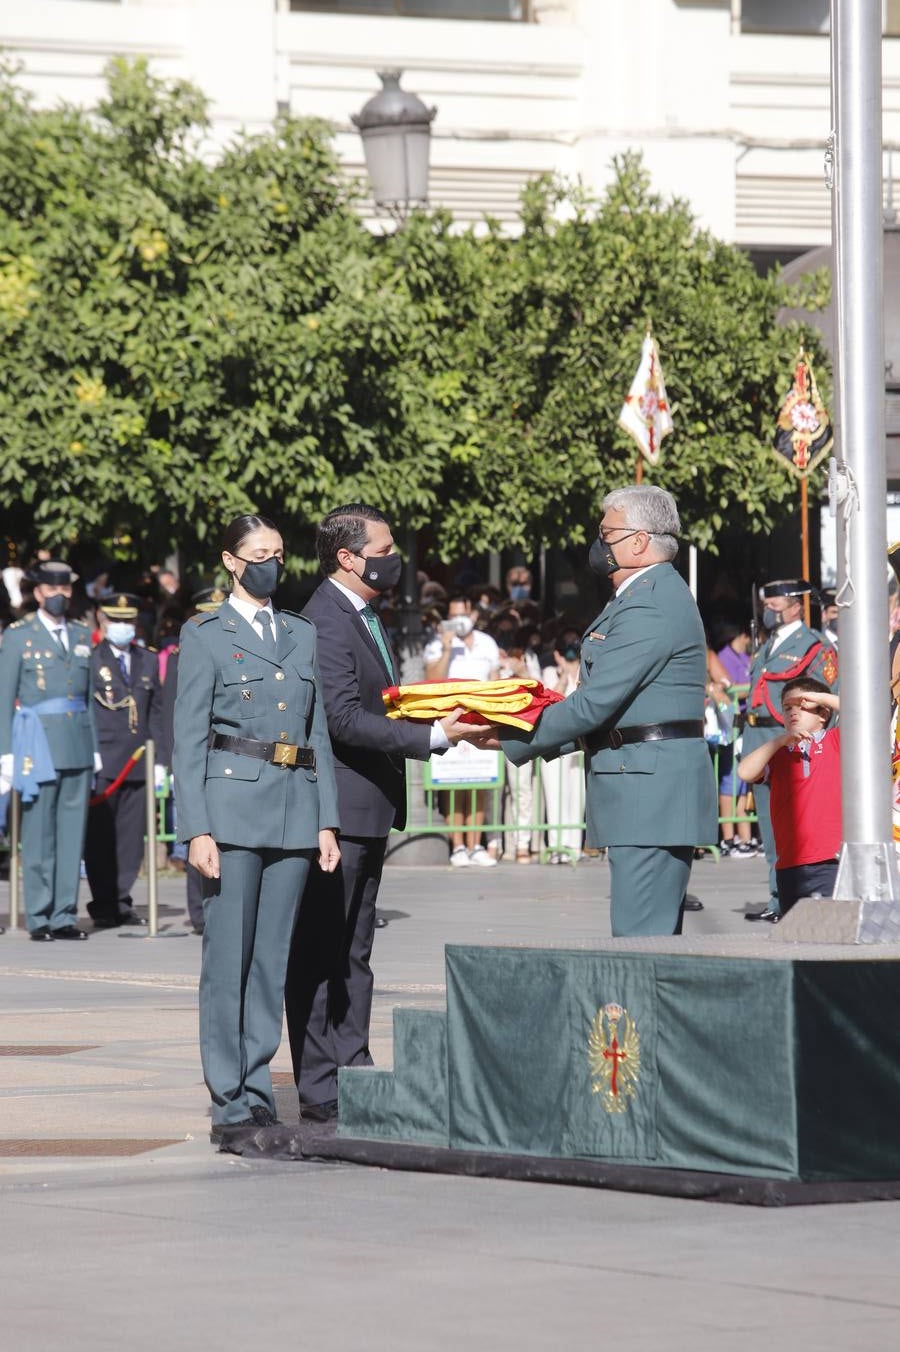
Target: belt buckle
615 739
751 719
284 754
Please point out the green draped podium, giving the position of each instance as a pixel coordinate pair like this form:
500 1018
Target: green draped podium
777 1067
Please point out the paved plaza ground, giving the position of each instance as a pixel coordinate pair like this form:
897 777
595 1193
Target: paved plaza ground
124 1228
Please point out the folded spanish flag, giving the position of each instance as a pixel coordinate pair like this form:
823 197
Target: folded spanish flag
519 704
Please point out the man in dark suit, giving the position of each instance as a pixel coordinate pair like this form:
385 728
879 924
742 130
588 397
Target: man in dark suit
328 996
126 697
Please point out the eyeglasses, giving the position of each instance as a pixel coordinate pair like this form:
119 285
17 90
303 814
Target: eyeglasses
621 531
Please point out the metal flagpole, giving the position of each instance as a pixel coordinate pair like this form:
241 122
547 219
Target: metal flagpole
868 868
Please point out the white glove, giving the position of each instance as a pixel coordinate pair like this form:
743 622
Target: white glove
98 762
159 777
6 772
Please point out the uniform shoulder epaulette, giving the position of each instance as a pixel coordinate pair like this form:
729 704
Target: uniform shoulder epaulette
203 617
18 624
295 615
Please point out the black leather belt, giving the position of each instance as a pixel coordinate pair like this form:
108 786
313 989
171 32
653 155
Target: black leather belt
762 721
643 732
277 753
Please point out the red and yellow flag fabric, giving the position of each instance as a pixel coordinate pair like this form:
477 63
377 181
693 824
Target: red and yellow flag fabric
515 703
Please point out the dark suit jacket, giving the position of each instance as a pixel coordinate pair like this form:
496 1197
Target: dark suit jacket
369 748
116 739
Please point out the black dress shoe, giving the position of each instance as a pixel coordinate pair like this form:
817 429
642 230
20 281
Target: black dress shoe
262 1117
68 932
380 922
769 915
131 918
222 1132
41 934
692 903
106 922
319 1112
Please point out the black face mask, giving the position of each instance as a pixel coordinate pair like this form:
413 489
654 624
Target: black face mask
601 559
56 605
571 651
381 571
260 579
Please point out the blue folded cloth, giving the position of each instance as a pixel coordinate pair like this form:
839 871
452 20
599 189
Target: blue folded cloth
32 761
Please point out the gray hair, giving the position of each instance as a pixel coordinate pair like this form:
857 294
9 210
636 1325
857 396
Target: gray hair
646 507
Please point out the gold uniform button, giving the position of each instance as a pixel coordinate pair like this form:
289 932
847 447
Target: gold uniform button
283 736
279 675
282 707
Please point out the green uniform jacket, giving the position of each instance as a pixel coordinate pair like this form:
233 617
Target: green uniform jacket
643 660
32 669
796 655
228 683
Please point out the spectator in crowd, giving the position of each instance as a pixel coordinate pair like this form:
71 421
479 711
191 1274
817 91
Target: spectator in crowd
521 809
802 767
518 584
829 606
563 778
462 652
733 640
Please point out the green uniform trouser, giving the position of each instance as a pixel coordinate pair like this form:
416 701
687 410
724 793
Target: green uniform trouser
53 826
648 885
761 795
249 916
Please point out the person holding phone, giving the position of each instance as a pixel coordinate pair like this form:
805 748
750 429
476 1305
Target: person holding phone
255 786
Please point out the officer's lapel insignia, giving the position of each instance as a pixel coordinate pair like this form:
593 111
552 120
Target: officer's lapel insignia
105 675
614 1056
829 667
595 636
238 657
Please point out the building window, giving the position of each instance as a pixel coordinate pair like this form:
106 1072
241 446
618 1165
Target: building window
804 16
785 16
502 10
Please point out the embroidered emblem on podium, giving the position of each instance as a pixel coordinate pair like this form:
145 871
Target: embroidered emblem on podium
614 1055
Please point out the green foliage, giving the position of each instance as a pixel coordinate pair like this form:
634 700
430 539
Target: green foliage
183 340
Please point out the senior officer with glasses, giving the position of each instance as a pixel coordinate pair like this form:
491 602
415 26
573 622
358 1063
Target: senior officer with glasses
48 748
254 782
638 712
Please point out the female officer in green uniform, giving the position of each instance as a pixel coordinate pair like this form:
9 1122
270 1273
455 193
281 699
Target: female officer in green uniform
256 797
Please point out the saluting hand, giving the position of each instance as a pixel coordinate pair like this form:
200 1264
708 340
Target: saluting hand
204 855
329 852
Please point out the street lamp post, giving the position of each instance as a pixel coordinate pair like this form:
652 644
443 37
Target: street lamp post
395 128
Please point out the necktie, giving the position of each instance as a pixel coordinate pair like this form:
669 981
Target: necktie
374 628
123 667
264 620
59 636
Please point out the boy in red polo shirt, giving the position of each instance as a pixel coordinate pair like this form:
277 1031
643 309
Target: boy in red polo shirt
802 767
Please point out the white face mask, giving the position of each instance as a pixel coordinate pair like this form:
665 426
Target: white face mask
119 633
